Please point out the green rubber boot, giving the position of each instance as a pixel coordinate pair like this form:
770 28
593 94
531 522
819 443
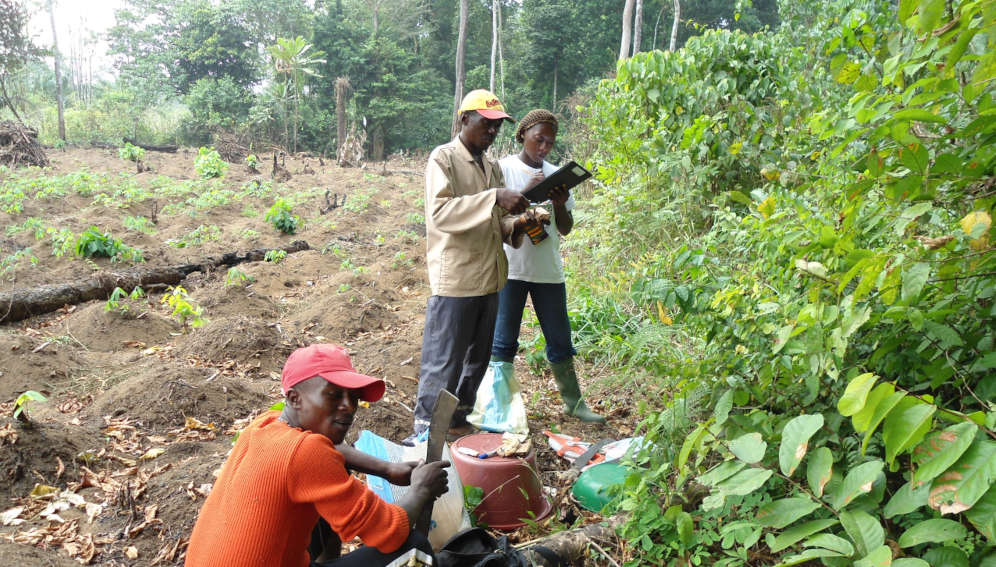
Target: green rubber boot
570 392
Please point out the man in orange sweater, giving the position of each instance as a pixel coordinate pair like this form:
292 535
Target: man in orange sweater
288 469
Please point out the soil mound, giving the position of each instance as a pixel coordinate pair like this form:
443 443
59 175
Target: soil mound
244 339
108 331
34 363
35 456
161 397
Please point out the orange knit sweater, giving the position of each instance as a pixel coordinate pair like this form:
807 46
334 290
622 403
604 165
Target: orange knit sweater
275 483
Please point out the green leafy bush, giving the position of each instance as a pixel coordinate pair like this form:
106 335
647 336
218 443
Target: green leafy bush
281 217
833 394
208 163
94 243
23 401
131 152
237 277
188 313
274 256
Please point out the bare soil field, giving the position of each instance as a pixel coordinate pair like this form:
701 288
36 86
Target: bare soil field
141 410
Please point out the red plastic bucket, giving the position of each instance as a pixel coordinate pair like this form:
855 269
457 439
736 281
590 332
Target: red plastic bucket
513 491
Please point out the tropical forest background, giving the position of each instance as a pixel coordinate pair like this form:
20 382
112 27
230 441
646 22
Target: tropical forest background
789 235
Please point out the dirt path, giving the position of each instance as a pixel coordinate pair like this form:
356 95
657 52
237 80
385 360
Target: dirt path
142 411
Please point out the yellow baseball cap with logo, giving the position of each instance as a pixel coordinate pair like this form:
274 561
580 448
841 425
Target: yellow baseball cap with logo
485 103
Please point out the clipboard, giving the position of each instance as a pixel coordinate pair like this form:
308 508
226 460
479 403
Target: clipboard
569 175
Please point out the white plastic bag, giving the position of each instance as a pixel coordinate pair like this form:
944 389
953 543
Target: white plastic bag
499 406
448 514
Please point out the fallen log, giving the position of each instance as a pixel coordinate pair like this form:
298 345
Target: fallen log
151 148
571 546
20 304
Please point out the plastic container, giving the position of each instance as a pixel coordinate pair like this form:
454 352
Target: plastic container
592 486
513 491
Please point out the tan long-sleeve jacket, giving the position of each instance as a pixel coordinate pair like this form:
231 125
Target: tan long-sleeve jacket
464 225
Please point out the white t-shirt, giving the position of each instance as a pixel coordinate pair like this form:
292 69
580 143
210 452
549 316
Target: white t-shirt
530 262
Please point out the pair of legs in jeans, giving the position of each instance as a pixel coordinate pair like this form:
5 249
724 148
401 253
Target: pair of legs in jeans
550 304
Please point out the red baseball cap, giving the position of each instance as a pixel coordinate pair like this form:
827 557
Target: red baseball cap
332 363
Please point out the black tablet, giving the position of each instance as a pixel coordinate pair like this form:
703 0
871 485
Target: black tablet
568 175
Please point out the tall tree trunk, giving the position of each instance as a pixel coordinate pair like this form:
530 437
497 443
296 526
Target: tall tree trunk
627 29
460 73
501 60
637 26
553 103
342 87
58 75
494 42
674 24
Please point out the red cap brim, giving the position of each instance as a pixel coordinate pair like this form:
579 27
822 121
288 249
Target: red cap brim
373 388
494 115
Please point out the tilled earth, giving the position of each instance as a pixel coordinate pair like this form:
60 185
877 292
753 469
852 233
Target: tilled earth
141 410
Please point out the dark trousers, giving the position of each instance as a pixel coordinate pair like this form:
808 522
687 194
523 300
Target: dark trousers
550 304
323 539
456 347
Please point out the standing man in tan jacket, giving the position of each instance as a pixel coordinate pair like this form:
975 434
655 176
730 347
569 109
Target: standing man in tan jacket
468 214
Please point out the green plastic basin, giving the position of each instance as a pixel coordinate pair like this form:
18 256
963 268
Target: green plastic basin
592 486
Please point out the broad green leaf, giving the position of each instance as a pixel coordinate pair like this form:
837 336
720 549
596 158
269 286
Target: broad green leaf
906 499
910 562
947 336
966 481
855 394
831 542
909 215
881 556
722 472
820 470
987 362
914 278
863 529
906 8
723 407
983 514
748 448
937 530
930 12
808 555
946 557
740 198
906 426
690 443
854 320
780 513
918 114
862 419
745 482
858 481
797 533
685 527
941 449
795 441
882 410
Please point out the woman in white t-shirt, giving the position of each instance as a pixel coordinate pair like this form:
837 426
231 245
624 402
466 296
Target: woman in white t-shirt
535 269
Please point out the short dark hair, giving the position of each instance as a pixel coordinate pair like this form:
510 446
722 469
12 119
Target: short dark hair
532 118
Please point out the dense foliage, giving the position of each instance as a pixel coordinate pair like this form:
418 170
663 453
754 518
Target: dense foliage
836 287
189 71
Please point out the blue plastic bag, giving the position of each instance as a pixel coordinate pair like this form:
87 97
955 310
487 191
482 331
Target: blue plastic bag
499 406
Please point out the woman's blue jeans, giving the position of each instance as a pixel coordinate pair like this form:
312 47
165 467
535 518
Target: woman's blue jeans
550 304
